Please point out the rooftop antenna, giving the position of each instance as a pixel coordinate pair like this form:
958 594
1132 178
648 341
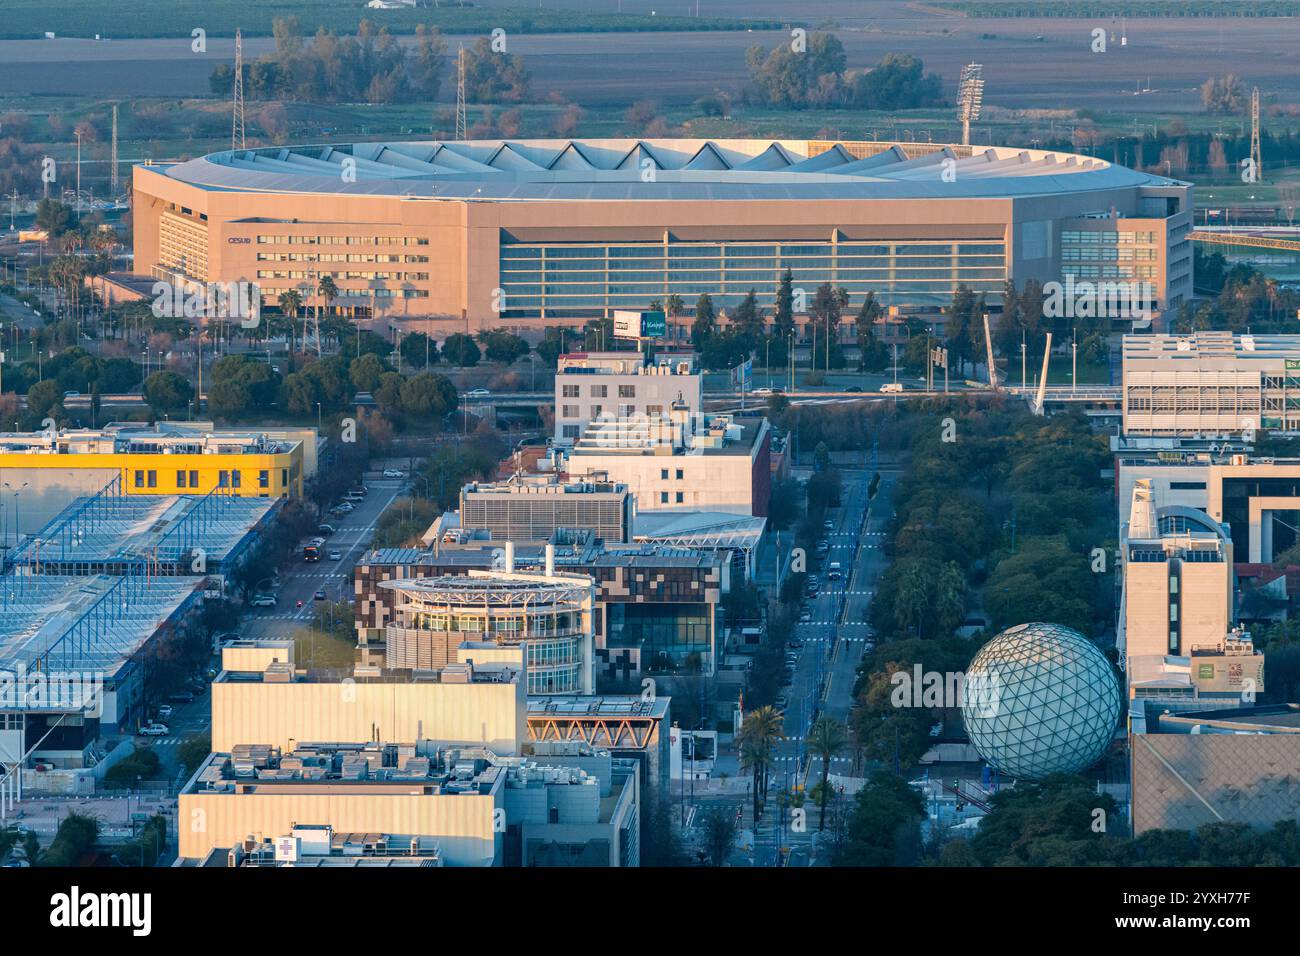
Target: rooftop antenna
460 93
1256 159
237 140
970 97
113 160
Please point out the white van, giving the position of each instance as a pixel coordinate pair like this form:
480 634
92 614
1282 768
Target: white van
890 388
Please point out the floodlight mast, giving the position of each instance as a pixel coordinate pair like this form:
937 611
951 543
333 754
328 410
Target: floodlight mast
970 97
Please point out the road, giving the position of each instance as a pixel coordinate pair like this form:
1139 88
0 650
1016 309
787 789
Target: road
833 641
299 580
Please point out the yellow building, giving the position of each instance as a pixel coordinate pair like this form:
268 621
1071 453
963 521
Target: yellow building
158 460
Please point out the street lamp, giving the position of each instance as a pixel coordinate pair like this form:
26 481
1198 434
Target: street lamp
16 492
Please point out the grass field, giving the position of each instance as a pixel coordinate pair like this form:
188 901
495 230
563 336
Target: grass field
31 19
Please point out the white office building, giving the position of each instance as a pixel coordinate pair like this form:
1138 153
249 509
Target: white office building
621 385
1211 384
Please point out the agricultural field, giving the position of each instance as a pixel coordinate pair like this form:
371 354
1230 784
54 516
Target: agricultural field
124 19
1040 74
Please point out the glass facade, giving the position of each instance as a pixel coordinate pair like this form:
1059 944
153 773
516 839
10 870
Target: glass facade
667 634
555 639
590 280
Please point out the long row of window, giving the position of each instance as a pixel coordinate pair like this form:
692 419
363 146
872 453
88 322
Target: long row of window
189 479
337 257
592 279
343 240
296 274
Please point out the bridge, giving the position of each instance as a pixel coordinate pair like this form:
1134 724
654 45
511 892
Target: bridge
1286 238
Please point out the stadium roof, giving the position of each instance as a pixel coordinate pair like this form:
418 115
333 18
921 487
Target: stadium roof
625 169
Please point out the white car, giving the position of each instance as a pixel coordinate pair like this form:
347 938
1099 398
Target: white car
394 473
154 730
762 391
264 600
165 711
336 555
477 393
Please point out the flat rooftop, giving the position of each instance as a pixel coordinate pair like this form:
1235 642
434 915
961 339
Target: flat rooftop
605 706
1270 719
488 672
119 438
1209 350
484 555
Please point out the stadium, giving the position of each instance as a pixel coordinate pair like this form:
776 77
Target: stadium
544 232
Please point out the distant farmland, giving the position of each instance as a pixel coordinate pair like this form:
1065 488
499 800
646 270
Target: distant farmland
122 19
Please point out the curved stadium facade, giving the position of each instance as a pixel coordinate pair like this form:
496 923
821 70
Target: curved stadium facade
542 232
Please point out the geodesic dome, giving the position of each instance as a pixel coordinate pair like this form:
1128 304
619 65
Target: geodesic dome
1040 699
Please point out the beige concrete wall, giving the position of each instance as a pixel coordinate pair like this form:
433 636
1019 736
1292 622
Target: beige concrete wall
708 483
1146 588
461 823
1206 599
242 658
284 715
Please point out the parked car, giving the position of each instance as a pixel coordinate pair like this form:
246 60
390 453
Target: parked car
264 600
154 730
336 554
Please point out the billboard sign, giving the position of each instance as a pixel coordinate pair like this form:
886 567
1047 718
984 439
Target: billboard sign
639 325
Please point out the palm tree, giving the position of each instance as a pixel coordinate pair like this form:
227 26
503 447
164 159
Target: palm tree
674 306
327 290
758 737
826 738
290 301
